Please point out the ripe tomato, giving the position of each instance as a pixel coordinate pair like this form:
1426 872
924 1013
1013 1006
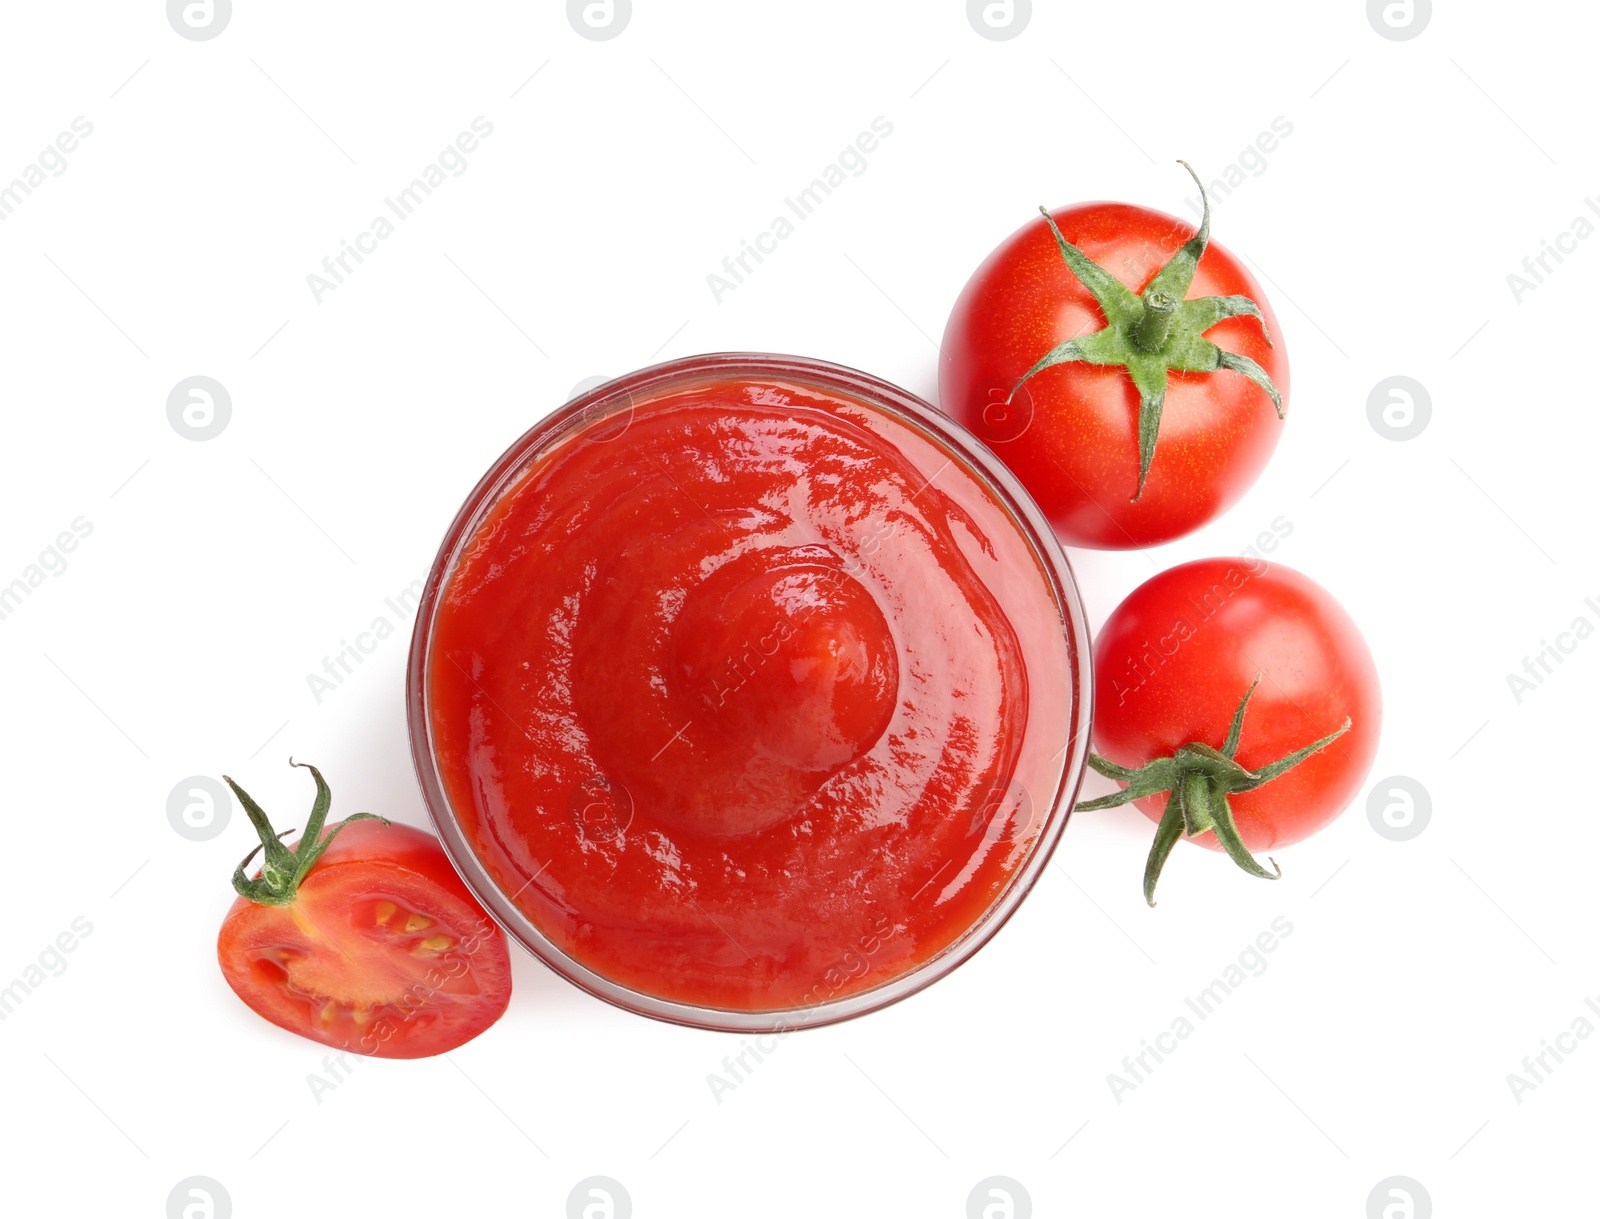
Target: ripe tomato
1055 363
368 942
1225 683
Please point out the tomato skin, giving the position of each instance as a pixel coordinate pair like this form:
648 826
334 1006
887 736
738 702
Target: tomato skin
1175 658
418 1002
1071 436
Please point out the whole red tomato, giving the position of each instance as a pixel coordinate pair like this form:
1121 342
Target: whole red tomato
363 938
1238 703
1122 367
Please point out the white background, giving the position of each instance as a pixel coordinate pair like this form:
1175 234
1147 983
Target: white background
219 574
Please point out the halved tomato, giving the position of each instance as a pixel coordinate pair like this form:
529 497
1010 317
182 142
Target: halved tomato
363 938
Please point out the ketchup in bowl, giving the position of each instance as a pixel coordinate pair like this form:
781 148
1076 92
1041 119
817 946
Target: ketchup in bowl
748 692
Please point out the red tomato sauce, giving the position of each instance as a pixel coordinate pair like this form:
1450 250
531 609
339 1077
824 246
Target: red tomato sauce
733 696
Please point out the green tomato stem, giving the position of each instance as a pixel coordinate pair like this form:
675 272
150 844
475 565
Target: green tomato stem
1150 331
284 868
1200 778
1155 333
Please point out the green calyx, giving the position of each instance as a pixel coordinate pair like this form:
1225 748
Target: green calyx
284 868
1156 331
1200 779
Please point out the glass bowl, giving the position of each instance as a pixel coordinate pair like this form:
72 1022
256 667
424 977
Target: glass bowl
1056 743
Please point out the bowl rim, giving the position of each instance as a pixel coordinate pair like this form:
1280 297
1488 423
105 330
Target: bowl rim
614 397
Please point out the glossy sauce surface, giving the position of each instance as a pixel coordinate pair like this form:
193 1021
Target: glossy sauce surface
748 695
